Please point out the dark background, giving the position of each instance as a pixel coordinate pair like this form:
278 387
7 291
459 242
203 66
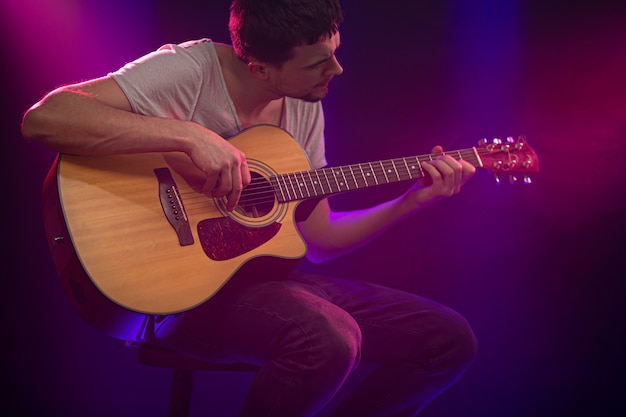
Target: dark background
537 270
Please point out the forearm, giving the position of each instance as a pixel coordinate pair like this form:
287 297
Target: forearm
333 234
75 122
95 118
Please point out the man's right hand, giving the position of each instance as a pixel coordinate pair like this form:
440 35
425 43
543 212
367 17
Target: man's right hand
224 166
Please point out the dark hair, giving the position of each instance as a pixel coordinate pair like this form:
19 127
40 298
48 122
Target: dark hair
268 30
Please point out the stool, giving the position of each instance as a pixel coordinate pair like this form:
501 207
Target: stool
182 381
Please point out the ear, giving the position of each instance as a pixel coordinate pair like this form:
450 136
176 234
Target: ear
258 69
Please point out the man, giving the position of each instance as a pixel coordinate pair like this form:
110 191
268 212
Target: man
307 332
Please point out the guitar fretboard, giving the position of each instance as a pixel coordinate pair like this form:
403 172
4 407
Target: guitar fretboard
326 181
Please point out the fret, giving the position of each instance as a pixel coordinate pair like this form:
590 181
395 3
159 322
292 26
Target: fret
303 183
278 191
403 172
357 174
364 175
330 186
373 173
284 189
327 181
337 178
314 184
291 187
320 182
384 173
478 162
408 170
344 183
419 166
354 179
393 164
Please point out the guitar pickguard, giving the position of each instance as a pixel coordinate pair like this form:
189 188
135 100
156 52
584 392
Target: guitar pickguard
223 238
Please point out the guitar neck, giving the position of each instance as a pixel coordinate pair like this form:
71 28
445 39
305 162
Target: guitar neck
326 181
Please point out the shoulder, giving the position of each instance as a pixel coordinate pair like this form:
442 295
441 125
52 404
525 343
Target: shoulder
200 48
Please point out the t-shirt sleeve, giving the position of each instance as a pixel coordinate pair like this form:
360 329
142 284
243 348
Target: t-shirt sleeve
164 83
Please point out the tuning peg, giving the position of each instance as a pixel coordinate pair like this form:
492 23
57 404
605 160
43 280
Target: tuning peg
496 141
526 180
510 139
482 142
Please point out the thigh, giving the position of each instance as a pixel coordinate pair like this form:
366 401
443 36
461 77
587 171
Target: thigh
394 324
254 321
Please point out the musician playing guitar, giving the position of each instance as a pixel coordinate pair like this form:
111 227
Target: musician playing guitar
307 332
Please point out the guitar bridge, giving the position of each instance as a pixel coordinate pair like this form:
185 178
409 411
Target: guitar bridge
172 205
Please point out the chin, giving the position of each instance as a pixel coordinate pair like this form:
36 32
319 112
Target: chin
311 99
314 97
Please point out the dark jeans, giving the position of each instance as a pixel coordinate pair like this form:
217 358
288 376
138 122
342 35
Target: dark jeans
309 332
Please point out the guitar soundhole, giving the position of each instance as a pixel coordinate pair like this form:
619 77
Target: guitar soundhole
257 199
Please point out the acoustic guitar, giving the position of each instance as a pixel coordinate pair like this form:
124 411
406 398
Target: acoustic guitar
141 230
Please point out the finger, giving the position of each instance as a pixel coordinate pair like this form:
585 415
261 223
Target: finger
210 183
468 171
449 177
245 174
446 171
223 185
241 178
457 169
437 149
234 195
432 174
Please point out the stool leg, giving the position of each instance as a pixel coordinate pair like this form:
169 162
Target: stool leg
180 394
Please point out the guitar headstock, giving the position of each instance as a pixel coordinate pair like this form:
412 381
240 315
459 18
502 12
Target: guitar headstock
512 157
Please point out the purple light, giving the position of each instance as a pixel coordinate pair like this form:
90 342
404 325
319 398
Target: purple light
56 41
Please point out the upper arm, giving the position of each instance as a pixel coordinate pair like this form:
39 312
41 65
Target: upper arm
103 89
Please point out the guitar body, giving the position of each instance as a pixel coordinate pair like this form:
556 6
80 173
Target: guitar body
135 240
127 242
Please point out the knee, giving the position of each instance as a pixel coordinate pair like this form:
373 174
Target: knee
336 342
327 343
466 343
456 345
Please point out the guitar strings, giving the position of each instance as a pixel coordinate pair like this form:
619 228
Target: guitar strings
261 191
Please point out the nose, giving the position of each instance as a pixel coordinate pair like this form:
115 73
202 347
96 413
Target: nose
334 67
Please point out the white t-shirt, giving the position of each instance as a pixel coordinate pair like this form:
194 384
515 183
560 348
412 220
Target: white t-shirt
185 82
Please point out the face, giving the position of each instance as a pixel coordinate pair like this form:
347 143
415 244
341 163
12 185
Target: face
306 76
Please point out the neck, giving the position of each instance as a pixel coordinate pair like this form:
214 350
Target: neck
254 103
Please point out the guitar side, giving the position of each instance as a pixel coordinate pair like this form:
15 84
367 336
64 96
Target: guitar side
132 253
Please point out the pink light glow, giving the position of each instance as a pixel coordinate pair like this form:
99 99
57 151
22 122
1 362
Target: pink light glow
55 41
